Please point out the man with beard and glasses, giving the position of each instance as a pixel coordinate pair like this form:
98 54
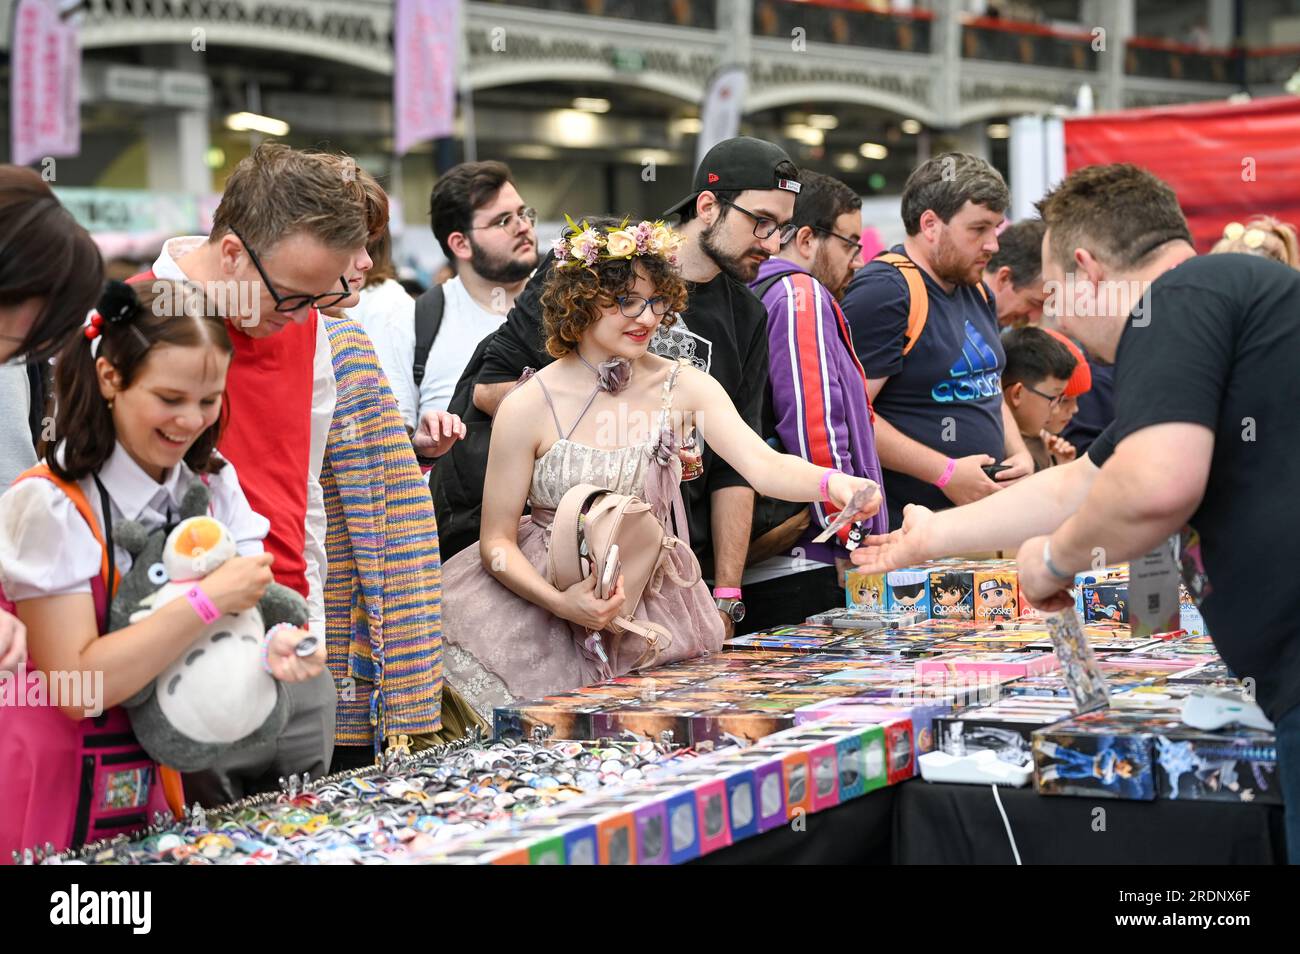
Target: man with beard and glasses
486 230
926 331
735 218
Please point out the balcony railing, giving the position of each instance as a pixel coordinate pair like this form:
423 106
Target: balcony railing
1272 66
1028 44
843 23
1164 59
702 14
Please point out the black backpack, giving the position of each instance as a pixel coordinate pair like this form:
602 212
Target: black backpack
428 322
458 477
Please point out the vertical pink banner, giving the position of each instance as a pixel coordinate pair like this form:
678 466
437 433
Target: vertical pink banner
426 44
25 83
45 85
70 93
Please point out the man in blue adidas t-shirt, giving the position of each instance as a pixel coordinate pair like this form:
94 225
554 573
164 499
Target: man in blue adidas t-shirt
925 329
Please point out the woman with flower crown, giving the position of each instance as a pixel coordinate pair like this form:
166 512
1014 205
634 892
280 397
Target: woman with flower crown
606 412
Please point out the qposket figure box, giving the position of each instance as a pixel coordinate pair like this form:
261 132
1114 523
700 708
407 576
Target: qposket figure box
997 596
952 594
908 591
864 590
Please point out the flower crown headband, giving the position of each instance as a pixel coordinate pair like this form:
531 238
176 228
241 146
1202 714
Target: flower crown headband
584 244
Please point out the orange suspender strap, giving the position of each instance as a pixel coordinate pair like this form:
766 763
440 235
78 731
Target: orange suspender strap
73 492
918 307
170 778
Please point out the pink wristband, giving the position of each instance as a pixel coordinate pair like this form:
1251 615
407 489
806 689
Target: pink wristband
947 474
202 605
726 593
825 484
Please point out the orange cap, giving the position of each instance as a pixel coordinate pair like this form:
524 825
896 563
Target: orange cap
1081 380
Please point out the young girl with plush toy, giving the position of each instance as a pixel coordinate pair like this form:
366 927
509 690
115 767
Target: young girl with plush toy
139 399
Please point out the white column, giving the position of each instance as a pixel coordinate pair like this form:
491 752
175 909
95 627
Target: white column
1220 23
945 47
735 31
178 139
973 138
1118 19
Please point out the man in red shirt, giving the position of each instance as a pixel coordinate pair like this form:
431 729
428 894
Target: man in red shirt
291 225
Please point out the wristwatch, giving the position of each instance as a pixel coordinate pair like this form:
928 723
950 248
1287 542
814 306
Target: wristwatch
732 607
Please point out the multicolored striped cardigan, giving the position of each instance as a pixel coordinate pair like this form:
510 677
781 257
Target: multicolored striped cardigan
383 591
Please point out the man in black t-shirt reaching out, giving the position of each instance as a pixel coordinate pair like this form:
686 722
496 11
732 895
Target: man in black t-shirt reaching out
936 387
1203 443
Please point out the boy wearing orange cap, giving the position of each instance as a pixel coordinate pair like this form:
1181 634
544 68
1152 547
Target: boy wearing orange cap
1040 369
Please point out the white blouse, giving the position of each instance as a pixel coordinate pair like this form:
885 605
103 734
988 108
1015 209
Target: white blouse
47 549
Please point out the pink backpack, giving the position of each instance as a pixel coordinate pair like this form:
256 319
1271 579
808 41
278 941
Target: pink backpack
67 783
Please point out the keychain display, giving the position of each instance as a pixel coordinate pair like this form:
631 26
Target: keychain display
381 815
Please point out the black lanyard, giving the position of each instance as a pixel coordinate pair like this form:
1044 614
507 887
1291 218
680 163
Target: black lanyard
106 506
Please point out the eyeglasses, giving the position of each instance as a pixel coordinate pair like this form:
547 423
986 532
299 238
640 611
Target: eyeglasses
1053 400
633 306
284 304
852 243
763 226
508 221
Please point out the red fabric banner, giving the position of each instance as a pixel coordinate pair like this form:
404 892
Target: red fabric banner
1226 162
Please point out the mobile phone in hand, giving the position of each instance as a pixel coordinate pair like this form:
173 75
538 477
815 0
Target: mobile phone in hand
610 578
994 469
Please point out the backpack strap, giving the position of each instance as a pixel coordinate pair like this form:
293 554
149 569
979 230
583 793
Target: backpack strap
918 308
429 309
73 492
762 287
108 580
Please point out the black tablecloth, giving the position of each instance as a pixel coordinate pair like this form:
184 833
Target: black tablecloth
855 833
960 824
923 823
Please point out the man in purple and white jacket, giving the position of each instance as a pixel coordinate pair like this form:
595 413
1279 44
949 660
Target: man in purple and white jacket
819 392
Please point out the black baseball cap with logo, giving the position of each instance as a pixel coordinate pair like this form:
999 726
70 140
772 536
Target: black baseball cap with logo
736 165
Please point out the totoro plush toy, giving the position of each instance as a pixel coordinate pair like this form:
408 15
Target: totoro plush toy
218 695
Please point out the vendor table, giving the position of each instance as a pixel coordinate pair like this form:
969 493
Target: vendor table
857 832
923 823
960 824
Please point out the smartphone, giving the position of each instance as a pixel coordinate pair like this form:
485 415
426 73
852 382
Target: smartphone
994 469
612 568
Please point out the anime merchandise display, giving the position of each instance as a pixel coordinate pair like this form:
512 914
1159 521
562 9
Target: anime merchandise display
1213 673
1105 601
812 637
718 800
1004 728
920 713
951 594
1007 664
1079 667
864 590
1109 753
397 813
867 620
1240 766
997 596
908 591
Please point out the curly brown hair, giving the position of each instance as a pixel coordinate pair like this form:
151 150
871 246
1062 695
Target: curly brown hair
573 296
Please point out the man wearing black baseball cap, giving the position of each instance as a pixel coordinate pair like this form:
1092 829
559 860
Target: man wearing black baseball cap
733 220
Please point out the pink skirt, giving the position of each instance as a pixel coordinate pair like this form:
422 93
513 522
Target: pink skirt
499 648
